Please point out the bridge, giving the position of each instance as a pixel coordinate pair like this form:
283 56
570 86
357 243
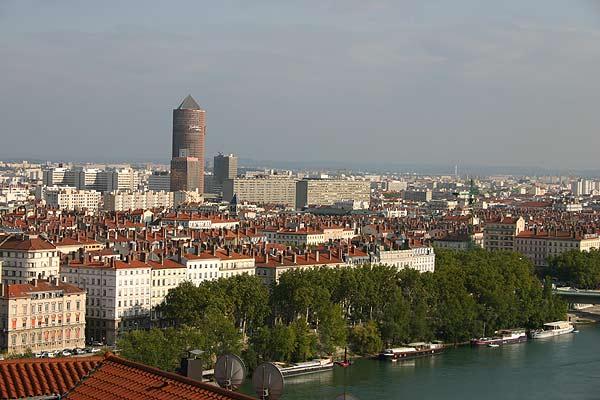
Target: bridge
576 296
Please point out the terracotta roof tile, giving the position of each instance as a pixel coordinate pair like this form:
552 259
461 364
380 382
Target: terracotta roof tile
27 244
117 378
30 377
101 378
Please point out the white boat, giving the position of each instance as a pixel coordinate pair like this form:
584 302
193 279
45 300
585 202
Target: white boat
308 367
553 329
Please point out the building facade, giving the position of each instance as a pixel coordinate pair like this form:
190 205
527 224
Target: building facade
69 198
123 201
187 156
41 316
25 257
421 259
499 234
261 190
224 167
325 192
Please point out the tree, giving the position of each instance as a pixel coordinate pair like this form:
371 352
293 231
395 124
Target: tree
396 320
305 341
365 338
283 342
332 328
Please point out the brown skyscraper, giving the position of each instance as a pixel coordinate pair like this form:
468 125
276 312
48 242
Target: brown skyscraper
187 157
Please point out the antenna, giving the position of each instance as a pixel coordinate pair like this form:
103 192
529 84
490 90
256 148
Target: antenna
268 381
230 371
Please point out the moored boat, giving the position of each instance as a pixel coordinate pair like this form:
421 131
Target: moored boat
553 329
413 350
345 363
501 337
307 367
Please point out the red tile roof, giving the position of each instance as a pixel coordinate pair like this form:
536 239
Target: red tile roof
23 289
27 244
101 378
30 377
117 378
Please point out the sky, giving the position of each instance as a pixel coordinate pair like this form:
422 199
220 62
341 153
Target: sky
425 82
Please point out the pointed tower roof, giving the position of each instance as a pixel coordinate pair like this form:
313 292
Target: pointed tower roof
189 104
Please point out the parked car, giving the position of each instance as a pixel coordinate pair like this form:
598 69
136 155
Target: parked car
38 355
94 350
48 354
95 343
66 353
78 351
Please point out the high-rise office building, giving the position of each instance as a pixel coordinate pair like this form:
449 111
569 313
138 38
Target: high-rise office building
225 167
187 157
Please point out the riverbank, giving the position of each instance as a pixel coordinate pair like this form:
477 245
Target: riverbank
590 315
556 368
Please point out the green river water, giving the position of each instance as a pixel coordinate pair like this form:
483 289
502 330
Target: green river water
563 367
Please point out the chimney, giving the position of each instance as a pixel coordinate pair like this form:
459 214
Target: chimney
281 258
317 256
214 250
295 258
35 282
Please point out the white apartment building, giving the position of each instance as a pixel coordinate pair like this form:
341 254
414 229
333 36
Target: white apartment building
69 198
261 190
421 259
125 179
396 186
166 275
13 194
201 266
123 201
325 192
118 295
24 258
215 264
41 316
59 177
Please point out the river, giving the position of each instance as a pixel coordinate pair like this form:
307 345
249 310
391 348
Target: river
561 368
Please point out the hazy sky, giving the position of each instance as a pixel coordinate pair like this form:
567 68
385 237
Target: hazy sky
508 82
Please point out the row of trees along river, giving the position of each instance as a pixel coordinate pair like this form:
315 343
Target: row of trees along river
316 312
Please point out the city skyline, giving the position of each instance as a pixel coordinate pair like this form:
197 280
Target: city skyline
420 83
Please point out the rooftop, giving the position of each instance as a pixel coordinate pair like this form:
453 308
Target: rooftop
101 378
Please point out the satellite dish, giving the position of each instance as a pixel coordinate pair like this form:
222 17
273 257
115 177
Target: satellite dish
230 371
346 396
268 381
